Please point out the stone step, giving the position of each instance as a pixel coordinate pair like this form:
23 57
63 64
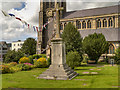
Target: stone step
69 72
71 75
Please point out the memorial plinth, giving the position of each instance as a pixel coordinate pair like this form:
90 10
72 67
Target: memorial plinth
58 70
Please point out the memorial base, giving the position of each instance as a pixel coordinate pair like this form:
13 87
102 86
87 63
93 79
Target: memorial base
58 69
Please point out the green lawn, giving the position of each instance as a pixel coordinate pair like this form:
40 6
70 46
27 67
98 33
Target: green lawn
107 77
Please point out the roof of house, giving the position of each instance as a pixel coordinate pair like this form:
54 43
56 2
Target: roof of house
92 12
111 34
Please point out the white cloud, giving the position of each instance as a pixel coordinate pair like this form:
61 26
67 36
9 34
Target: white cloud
12 29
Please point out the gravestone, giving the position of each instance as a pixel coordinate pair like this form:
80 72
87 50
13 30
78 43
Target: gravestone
58 69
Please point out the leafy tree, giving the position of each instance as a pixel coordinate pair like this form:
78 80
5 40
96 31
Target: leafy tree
13 56
117 56
73 59
95 45
29 46
72 39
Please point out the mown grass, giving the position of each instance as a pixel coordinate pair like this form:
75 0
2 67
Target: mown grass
107 77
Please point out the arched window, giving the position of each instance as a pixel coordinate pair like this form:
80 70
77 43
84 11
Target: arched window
52 4
110 22
98 23
104 23
61 26
83 24
88 24
47 5
111 49
78 25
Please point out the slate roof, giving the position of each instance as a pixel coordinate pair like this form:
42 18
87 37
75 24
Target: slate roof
92 12
111 34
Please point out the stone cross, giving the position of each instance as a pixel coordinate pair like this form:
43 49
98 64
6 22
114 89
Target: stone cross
57 11
58 69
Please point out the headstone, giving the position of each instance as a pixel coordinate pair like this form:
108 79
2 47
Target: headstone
58 69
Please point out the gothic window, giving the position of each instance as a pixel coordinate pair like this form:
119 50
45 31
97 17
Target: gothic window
98 23
110 22
52 4
78 25
83 24
111 49
47 4
88 24
61 26
104 23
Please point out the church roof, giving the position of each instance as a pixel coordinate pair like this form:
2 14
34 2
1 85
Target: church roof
92 12
111 34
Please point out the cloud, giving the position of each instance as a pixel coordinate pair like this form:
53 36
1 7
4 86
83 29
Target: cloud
71 6
12 29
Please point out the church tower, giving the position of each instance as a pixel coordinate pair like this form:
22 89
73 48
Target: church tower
46 34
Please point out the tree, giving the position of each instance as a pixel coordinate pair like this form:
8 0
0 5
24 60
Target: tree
13 56
117 56
95 45
73 59
72 39
29 46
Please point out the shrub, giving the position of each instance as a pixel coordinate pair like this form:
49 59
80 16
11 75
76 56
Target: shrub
13 64
73 59
13 56
37 56
41 62
28 64
31 59
95 45
15 69
5 69
48 62
24 67
24 60
117 56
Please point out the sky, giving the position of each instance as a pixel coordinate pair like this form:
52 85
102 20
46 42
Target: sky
12 29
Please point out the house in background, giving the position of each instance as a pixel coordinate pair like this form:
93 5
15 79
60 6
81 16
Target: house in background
16 45
3 49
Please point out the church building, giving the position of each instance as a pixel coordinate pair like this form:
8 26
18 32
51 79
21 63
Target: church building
103 20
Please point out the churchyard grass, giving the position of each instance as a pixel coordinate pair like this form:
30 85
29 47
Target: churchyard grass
106 77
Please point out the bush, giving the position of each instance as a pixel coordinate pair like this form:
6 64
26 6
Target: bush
31 59
5 69
37 56
73 59
24 60
15 69
95 45
13 64
117 56
41 63
24 67
13 56
48 62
